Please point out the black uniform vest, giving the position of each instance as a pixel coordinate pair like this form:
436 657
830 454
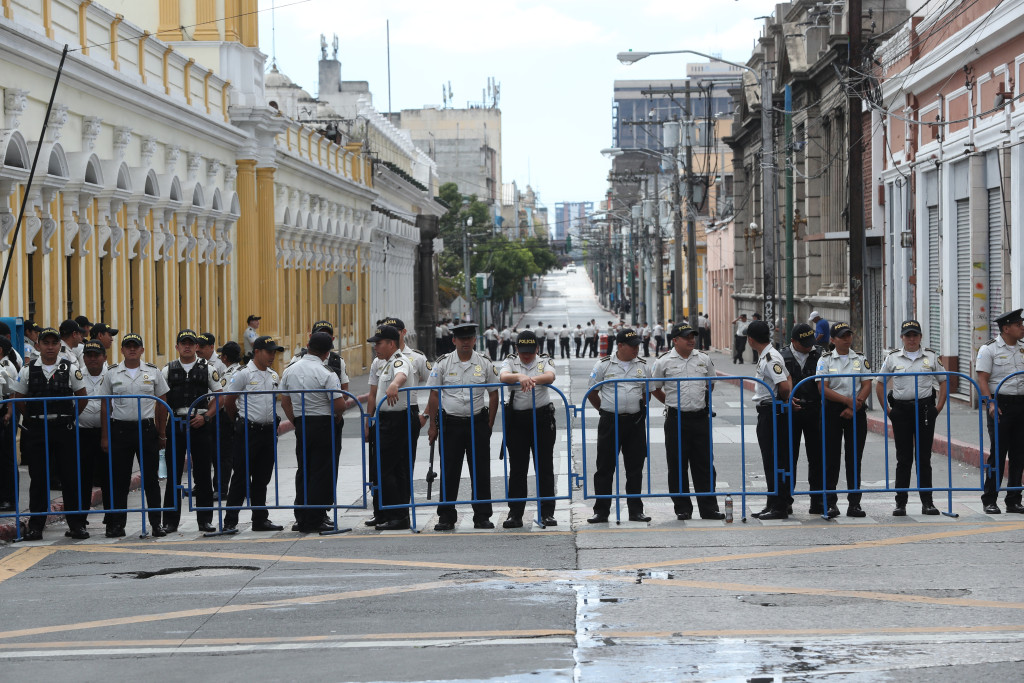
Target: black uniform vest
58 385
186 387
809 390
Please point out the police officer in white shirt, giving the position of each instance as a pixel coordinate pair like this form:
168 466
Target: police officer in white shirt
577 339
334 362
772 426
658 332
621 404
317 416
252 331
563 342
31 336
687 429
1000 373
491 339
71 336
845 413
466 419
645 339
133 428
739 338
590 340
529 425
255 429
506 341
221 430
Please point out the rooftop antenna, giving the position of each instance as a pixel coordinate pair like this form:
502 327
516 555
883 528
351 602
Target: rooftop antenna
273 38
388 28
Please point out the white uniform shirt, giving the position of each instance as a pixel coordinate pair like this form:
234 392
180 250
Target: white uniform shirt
630 394
218 365
506 334
1001 360
692 393
589 331
834 364
644 332
89 418
387 371
490 334
302 353
308 372
448 369
31 353
74 355
577 332
8 375
147 381
659 331
563 333
771 369
541 364
248 337
214 381
259 408
741 328
902 388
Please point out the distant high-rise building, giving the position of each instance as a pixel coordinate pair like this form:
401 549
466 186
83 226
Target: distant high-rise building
570 217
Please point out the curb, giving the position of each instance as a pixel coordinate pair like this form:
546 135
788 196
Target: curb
8 527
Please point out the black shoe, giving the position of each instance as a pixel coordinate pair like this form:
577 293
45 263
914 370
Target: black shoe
900 511
816 510
929 509
114 531
833 511
598 518
374 521
993 509
230 526
789 509
394 525
774 514
549 520
32 535
6 506
265 525
683 516
1015 508
855 511
296 527
512 522
483 524
78 534
158 531
206 527
714 514
170 528
763 511
444 526
639 517
324 525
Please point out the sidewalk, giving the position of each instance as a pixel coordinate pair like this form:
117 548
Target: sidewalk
962 419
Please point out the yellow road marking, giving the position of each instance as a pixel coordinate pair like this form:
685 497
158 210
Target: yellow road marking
22 559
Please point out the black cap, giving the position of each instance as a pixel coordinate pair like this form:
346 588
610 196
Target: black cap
385 332
839 329
206 339
252 317
266 342
69 326
232 350
759 332
627 336
83 321
99 328
93 346
910 326
322 326
49 332
527 341
681 331
1009 318
464 331
131 338
188 335
393 322
4 328
319 342
803 334
34 326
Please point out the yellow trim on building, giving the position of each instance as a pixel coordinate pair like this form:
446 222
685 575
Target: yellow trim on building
114 42
83 25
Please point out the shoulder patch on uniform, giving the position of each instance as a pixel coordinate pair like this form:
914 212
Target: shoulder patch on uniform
430 366
605 358
990 341
441 358
78 374
867 364
111 367
146 364
223 383
216 375
642 361
777 367
398 363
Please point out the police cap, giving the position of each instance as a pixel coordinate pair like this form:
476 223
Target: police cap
93 346
393 322
803 334
322 326
1010 318
841 329
131 338
627 336
385 332
188 336
464 331
100 328
266 342
682 330
206 339
909 327
48 332
527 341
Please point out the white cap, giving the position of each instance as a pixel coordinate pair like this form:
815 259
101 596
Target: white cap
814 314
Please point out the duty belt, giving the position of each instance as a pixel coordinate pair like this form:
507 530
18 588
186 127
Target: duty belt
910 401
1009 399
465 418
549 408
259 426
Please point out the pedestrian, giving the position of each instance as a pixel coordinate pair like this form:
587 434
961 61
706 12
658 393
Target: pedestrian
133 428
590 340
316 409
506 341
563 342
530 427
1000 373
739 344
753 352
465 422
577 339
687 428
914 404
659 338
621 427
704 333
190 380
774 386
550 334
94 465
846 422
254 420
491 339
821 329
801 356
48 435
249 334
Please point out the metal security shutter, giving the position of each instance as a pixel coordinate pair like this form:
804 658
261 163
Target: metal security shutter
995 251
934 298
963 285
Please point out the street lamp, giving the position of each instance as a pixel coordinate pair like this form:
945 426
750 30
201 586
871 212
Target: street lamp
768 177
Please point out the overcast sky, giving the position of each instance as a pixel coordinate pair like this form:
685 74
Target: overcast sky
555 62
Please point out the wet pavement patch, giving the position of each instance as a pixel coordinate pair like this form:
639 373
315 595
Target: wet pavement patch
187 572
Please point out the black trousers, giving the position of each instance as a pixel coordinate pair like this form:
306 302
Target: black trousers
52 439
317 474
688 447
1011 446
398 430
647 347
907 423
126 446
520 444
591 344
95 466
633 445
8 465
551 347
659 344
466 439
492 348
772 438
563 348
198 447
807 427
252 466
578 341
840 444
222 433
506 346
739 346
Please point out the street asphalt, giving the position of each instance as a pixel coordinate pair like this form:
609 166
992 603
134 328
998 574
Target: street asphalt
916 598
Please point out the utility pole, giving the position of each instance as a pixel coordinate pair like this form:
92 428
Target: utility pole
465 257
691 223
659 249
677 246
856 179
770 197
789 211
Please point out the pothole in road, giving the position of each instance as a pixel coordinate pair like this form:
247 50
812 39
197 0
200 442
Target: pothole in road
187 572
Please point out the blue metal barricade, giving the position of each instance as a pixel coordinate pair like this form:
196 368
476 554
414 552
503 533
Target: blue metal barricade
303 482
82 470
1001 445
477 483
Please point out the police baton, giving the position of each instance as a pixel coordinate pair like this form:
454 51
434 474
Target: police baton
431 474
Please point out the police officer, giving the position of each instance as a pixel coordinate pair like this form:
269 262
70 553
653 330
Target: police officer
772 426
94 462
317 416
334 362
687 432
801 356
466 422
255 427
997 360
103 333
563 341
845 412
221 429
128 440
190 377
230 356
8 465
739 338
914 404
550 335
530 416
49 428
31 336
506 341
252 326
491 339
628 411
